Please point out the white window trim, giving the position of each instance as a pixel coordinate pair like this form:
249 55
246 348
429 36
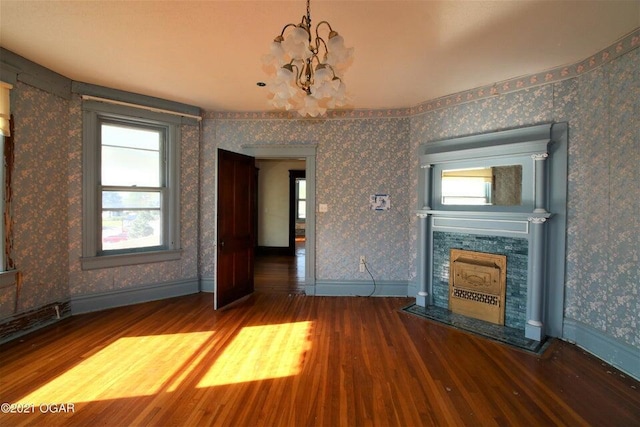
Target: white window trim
91 232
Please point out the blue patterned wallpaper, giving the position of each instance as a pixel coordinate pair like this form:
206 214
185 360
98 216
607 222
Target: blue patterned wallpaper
355 158
604 201
40 210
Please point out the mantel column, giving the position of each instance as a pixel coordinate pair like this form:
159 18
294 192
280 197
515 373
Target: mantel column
424 260
426 193
540 178
534 328
425 254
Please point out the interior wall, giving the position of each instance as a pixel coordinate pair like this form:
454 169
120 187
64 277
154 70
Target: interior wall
355 158
39 200
273 200
47 209
88 282
601 107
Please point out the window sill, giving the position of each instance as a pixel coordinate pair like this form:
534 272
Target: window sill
108 261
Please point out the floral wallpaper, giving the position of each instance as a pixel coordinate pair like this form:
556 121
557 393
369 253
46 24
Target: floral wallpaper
355 158
39 197
604 201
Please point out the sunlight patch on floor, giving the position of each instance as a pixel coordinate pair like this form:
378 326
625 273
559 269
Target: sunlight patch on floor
128 367
260 353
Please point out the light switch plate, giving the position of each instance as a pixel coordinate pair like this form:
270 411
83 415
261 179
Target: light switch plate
322 207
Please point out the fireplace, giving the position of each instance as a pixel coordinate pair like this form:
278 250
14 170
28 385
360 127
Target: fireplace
522 287
477 284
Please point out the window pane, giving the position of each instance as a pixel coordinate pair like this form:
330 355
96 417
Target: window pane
302 188
130 156
130 199
130 137
302 209
131 219
123 229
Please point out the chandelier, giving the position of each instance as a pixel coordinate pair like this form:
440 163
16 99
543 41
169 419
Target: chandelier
306 69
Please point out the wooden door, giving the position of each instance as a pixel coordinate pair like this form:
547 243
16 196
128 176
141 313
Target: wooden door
235 228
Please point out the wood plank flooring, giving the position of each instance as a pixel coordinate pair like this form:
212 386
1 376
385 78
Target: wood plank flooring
286 359
274 273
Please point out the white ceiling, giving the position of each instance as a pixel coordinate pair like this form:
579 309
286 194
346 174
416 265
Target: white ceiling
207 53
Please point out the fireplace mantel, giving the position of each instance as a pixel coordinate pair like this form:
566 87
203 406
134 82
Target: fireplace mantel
539 218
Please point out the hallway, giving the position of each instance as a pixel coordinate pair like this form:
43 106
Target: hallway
279 273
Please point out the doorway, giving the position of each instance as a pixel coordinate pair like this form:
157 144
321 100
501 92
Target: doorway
306 152
281 225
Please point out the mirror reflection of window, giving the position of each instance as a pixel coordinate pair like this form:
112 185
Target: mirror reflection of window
466 187
498 185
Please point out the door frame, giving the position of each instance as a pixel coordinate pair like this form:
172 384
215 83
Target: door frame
306 152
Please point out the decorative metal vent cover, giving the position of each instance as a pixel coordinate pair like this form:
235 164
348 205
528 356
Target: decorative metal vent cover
477 285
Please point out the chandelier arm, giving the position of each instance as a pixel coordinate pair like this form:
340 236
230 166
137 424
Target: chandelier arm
333 72
318 41
285 28
320 23
310 78
299 72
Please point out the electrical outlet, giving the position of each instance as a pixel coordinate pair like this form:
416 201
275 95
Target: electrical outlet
361 263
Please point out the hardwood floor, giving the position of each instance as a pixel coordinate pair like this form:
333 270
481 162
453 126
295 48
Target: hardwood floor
275 273
281 359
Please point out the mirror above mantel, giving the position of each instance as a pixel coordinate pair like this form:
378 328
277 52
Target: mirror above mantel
494 172
485 186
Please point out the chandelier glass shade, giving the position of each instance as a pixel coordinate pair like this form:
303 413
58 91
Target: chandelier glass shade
305 69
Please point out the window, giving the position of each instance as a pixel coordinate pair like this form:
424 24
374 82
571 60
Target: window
301 199
130 186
